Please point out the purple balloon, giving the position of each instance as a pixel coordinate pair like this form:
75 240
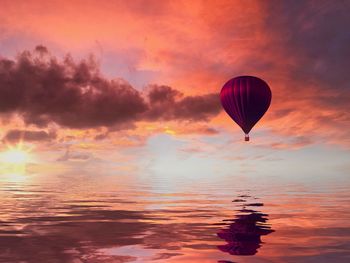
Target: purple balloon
245 99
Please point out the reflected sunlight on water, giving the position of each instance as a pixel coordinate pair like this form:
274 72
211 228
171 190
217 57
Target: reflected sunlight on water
89 218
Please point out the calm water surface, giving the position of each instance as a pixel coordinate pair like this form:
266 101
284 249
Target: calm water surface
85 217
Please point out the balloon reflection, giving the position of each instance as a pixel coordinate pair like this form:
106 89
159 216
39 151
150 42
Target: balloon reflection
243 236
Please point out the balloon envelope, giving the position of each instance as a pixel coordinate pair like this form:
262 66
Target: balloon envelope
245 99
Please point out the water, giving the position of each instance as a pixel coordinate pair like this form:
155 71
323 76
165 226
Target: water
81 217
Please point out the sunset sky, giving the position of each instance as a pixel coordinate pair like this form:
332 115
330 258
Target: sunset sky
123 87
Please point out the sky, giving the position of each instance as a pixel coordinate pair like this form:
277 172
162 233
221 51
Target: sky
133 86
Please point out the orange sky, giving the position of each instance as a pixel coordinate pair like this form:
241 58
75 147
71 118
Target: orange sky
194 47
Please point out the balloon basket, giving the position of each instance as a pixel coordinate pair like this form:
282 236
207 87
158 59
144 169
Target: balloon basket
246 138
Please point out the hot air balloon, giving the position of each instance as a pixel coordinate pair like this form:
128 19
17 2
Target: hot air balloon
245 99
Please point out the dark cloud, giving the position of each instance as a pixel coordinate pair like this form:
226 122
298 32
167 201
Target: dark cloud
24 135
159 94
41 49
44 89
198 107
169 104
101 136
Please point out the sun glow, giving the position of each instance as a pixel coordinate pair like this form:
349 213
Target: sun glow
15 155
13 162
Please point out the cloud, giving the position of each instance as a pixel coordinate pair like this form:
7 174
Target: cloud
298 47
169 104
315 35
27 135
74 156
308 41
293 144
43 89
